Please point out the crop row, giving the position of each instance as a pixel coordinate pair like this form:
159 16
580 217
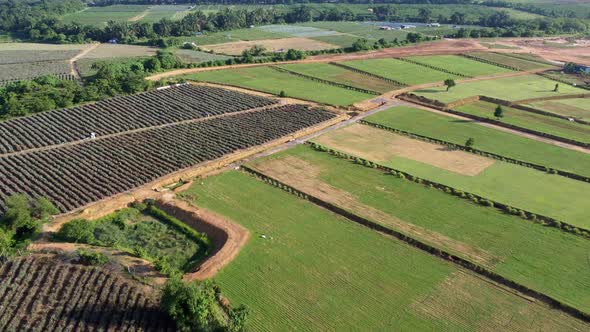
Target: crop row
23 56
31 70
120 114
74 175
36 293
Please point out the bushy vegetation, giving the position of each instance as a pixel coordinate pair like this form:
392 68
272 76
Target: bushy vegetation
144 231
21 221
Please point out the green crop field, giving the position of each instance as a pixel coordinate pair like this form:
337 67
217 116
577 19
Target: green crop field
487 139
542 123
459 64
101 15
272 81
222 37
506 88
578 108
341 75
517 249
315 271
511 61
340 40
522 187
404 72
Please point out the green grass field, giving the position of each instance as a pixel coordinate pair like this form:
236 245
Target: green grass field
518 250
316 271
404 72
522 187
222 37
578 108
507 88
511 61
486 139
461 65
341 75
101 15
269 80
546 124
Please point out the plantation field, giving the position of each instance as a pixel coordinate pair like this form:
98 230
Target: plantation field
510 61
459 64
506 88
340 40
487 139
41 293
516 249
30 70
271 45
578 108
192 56
542 123
315 271
522 187
156 13
101 15
104 51
230 36
24 56
341 75
404 72
272 81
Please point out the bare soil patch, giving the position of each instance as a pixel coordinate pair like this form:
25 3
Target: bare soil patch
379 145
305 177
274 45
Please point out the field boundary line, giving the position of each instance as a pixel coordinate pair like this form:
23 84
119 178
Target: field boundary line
341 65
434 67
456 260
511 54
477 199
324 81
489 62
561 97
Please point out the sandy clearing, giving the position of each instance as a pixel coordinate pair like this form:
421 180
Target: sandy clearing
380 145
305 177
273 45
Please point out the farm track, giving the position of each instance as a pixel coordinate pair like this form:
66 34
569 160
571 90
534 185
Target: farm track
74 67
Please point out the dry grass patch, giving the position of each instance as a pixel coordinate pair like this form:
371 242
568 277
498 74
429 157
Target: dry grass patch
381 146
274 45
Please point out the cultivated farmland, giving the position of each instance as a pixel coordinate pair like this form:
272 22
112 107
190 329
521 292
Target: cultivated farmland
97 169
517 249
508 61
522 187
31 70
578 108
546 124
487 139
101 15
272 45
117 115
313 270
459 64
267 79
400 71
506 88
38 293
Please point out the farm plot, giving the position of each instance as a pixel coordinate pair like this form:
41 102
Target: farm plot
270 80
40 293
506 88
404 72
299 31
578 108
104 51
120 114
341 75
521 187
487 139
520 251
509 61
230 36
16 57
31 70
272 45
101 168
315 271
99 16
459 64
192 56
158 12
538 122
342 40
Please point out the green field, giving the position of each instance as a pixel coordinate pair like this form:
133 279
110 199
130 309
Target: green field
341 75
507 88
101 15
511 61
578 108
518 250
272 81
486 139
459 64
315 271
404 72
222 37
542 123
522 187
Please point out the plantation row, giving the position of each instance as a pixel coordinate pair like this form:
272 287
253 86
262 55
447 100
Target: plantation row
120 114
38 294
31 70
97 169
65 77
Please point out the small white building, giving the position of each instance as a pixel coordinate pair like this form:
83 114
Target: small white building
433 25
408 26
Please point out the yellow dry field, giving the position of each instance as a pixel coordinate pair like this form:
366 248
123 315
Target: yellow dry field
306 177
274 45
381 146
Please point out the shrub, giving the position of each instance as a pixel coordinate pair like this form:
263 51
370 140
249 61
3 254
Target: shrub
77 231
87 257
